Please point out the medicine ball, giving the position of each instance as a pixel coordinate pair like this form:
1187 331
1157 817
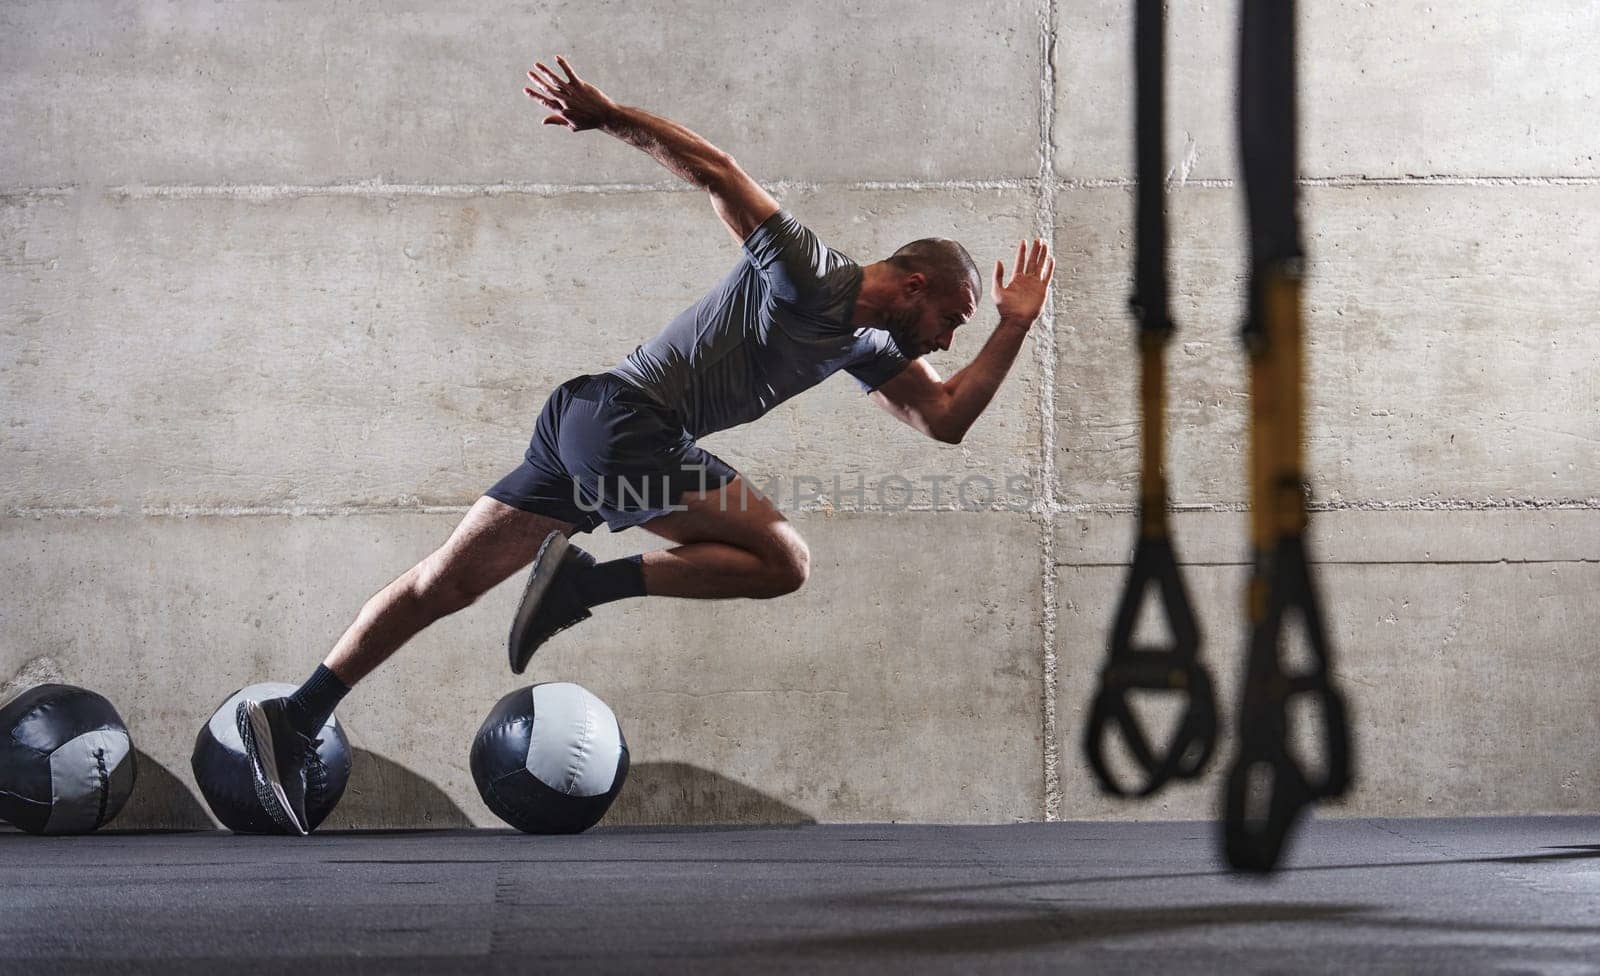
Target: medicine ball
66 761
550 759
223 773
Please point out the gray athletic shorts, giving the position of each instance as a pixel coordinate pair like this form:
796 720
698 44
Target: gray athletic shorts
604 451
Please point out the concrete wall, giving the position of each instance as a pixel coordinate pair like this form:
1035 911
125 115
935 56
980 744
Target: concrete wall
283 286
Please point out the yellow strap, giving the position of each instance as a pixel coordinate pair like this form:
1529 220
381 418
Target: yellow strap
1277 502
1153 433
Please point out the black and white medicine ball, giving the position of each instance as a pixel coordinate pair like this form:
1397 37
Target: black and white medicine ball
222 771
550 759
66 761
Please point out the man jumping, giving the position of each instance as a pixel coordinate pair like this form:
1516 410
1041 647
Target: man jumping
619 447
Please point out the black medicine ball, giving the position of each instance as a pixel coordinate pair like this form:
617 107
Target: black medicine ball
223 773
66 761
550 759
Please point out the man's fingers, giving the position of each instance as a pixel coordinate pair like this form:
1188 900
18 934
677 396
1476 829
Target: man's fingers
1036 261
556 81
1049 269
547 101
572 76
542 87
999 279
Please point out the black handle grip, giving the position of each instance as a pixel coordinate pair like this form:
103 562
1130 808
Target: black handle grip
1176 669
1252 843
1192 742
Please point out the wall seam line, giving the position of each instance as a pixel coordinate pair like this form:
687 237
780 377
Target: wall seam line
1037 507
1045 350
1045 184
1244 563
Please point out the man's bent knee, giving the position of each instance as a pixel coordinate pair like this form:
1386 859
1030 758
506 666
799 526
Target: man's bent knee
788 564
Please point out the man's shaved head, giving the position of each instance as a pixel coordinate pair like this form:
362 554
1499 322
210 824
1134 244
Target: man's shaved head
923 292
945 263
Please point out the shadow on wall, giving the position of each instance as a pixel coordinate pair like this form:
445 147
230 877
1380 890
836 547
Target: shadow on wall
161 801
384 795
681 794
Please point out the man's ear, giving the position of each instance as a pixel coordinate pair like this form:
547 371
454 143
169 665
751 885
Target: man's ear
915 283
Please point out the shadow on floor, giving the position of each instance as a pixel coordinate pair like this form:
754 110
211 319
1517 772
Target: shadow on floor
943 894
160 801
1037 912
384 795
681 794
1032 922
1030 927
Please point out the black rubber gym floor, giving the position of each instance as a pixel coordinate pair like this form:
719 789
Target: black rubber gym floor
1400 896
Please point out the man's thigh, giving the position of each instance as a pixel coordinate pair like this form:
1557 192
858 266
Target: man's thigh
490 543
734 513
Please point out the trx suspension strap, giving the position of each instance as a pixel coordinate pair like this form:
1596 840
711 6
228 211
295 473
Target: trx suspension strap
1268 788
1175 668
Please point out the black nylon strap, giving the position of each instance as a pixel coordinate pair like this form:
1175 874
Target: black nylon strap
1255 834
1150 301
1177 668
1269 154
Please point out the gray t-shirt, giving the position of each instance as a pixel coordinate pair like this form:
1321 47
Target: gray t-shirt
778 324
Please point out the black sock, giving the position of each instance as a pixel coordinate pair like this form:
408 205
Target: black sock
314 701
615 580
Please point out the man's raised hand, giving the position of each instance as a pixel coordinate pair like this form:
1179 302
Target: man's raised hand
574 102
1024 296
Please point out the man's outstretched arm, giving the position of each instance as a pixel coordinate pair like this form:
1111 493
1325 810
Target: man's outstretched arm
739 201
946 409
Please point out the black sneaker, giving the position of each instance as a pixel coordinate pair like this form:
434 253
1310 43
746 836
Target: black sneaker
280 757
551 603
